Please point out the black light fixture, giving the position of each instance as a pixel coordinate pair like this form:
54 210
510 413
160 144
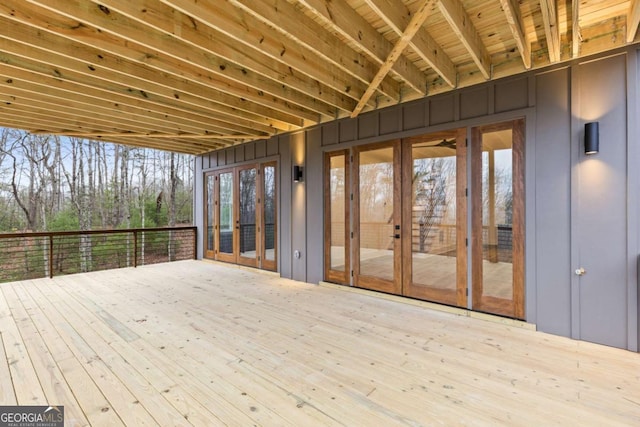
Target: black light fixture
297 173
591 138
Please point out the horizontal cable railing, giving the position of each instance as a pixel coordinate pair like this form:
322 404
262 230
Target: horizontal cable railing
26 256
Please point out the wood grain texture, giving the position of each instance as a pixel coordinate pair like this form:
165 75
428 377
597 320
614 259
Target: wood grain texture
633 20
197 77
231 346
337 276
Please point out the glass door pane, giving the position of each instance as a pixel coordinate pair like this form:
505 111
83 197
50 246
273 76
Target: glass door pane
337 265
378 218
498 221
226 216
247 215
269 223
210 216
432 218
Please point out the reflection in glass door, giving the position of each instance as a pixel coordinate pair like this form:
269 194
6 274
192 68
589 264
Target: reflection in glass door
210 212
434 217
377 233
269 217
226 215
247 218
498 219
336 220
241 215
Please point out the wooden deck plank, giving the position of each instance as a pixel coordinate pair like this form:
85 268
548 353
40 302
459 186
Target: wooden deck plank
252 393
132 397
333 389
26 385
52 379
122 407
7 393
169 389
374 352
508 380
256 349
91 402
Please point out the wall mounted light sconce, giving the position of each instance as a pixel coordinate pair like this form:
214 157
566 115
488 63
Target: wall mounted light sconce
591 138
297 173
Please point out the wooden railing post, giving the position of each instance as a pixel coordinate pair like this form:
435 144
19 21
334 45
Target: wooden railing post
50 256
135 249
195 243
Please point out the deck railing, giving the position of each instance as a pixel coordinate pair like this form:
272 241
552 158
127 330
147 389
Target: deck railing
26 256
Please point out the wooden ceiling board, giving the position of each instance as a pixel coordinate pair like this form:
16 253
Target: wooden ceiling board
194 76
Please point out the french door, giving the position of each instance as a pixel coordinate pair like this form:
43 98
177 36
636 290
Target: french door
434 217
240 214
396 217
376 218
497 167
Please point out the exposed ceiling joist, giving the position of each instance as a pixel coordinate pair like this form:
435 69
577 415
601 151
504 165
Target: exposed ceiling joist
194 76
417 19
633 19
117 54
576 36
397 16
247 32
237 81
344 20
461 24
551 28
169 22
511 10
150 135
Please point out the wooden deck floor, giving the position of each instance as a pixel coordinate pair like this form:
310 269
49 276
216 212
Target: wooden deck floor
196 343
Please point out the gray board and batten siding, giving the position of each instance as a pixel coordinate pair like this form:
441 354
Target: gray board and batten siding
581 211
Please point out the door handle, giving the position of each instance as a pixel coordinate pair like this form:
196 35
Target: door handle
395 236
580 271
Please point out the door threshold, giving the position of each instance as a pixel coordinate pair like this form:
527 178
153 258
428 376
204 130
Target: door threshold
242 267
434 306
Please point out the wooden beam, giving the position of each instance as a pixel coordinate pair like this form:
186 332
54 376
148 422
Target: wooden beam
28 124
459 21
69 87
331 62
149 135
106 79
416 22
72 118
633 19
576 36
106 50
44 46
344 20
289 21
397 15
512 13
235 80
171 22
175 146
551 28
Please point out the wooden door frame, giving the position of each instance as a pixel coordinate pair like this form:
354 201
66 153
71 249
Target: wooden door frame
494 305
342 277
458 297
223 256
240 259
264 262
210 253
369 282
